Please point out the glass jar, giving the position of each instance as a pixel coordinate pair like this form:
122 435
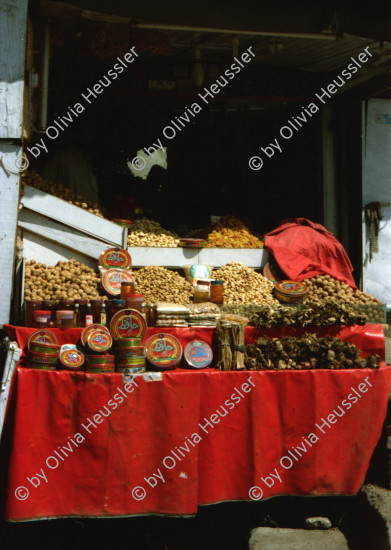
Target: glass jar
96 309
64 318
202 291
82 311
65 305
42 318
50 305
30 307
217 292
135 301
127 288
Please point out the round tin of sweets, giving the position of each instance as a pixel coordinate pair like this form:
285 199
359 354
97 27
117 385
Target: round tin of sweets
99 341
272 272
42 347
131 362
100 359
44 358
130 370
85 333
112 279
72 359
43 336
163 351
126 343
100 369
192 243
40 366
290 291
198 354
136 351
128 323
115 258
64 347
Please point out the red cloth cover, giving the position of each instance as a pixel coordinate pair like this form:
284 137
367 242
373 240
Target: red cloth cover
267 418
303 249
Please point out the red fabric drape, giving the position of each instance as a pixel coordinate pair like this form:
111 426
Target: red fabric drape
272 414
303 249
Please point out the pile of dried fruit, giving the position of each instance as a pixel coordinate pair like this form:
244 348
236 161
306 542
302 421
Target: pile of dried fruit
162 285
308 352
34 180
332 312
229 232
242 285
146 232
66 280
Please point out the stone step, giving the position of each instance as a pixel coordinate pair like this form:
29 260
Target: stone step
269 538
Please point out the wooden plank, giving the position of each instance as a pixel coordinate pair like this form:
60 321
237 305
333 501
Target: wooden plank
178 257
61 234
49 253
9 199
73 216
13 20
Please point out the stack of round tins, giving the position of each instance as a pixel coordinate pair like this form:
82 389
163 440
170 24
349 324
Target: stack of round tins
128 323
87 331
115 258
291 292
163 351
43 350
129 356
72 359
198 354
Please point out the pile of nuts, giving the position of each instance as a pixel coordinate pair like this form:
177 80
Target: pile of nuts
159 284
146 232
65 281
242 285
325 286
228 232
34 180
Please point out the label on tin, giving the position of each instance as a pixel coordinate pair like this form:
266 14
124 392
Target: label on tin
87 331
115 257
198 354
44 336
291 288
163 350
72 358
128 323
112 279
99 340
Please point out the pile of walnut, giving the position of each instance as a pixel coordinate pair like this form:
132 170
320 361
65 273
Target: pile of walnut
243 285
146 232
162 285
325 286
66 280
308 352
34 180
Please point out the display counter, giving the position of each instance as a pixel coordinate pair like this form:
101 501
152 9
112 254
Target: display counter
93 445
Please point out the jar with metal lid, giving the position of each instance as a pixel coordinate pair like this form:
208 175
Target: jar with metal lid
30 307
217 292
50 305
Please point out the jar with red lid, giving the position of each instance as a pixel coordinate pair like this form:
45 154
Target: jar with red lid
30 307
42 318
50 305
135 301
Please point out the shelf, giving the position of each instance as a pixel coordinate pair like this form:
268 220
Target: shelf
178 257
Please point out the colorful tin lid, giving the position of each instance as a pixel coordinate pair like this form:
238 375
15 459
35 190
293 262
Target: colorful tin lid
128 323
192 243
64 347
44 336
112 279
272 272
198 354
115 258
85 333
72 359
163 351
290 291
99 340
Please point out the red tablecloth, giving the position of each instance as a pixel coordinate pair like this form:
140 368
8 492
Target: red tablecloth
262 427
